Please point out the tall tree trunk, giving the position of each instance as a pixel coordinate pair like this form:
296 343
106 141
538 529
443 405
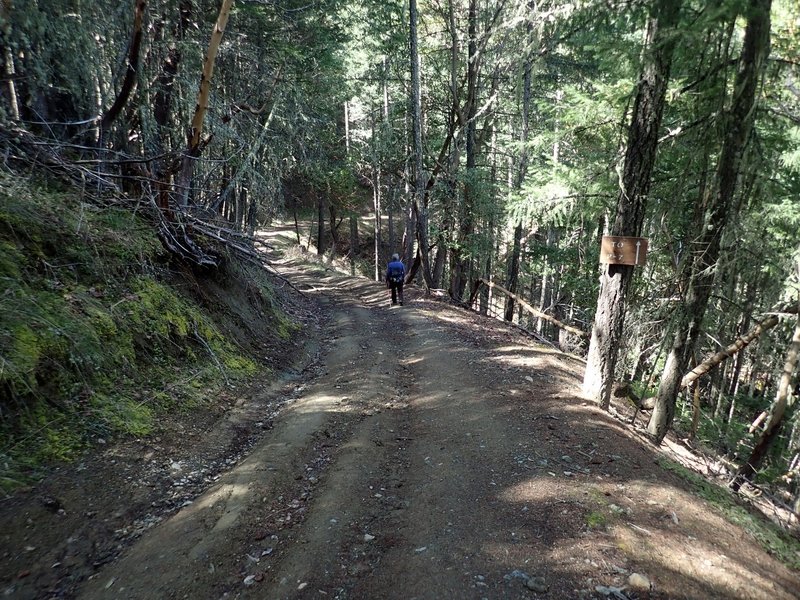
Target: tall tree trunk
519 177
376 229
420 203
252 216
131 68
410 229
353 243
353 216
333 226
390 224
461 250
631 203
513 272
162 103
491 234
738 123
8 58
320 225
194 147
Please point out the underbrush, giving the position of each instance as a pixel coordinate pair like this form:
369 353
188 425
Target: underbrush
774 539
101 334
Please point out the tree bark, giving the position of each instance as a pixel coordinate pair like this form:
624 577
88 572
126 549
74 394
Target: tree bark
461 249
320 225
353 243
8 59
131 68
376 205
420 203
194 148
738 122
632 200
516 248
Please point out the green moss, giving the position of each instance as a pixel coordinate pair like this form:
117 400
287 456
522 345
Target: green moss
158 310
25 354
93 342
595 519
775 540
10 260
122 414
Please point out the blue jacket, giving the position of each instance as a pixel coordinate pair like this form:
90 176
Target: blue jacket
395 271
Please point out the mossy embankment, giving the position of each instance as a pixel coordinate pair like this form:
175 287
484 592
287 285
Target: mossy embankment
102 333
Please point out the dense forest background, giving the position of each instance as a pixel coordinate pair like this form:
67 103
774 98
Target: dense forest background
489 142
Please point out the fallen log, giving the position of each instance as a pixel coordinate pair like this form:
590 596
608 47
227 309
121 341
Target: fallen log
527 307
740 344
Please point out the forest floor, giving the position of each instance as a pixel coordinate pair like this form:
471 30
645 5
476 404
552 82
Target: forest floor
409 452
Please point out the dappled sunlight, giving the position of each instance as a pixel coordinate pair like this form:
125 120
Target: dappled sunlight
646 523
315 403
538 350
223 493
455 319
412 360
691 558
540 489
434 400
517 360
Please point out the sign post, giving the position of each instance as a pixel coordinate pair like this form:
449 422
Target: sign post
622 250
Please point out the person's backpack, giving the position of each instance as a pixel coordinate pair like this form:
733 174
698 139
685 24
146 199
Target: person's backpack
396 272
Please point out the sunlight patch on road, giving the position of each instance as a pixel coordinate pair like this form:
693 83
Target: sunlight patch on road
317 403
412 360
539 489
433 399
225 493
668 550
515 360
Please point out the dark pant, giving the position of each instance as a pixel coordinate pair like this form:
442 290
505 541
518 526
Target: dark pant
397 291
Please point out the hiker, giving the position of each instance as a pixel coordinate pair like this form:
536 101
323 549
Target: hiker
395 273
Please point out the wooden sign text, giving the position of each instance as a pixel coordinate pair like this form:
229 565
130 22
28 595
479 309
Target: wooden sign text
621 250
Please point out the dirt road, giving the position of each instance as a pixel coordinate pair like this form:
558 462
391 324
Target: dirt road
430 453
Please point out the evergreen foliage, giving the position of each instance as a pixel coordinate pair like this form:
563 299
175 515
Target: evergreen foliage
546 161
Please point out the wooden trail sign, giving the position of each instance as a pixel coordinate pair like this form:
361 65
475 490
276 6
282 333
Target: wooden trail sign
621 250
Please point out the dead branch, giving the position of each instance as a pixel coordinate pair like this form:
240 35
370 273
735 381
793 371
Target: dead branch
527 307
740 344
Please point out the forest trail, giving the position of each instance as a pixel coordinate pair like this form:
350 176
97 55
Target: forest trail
430 453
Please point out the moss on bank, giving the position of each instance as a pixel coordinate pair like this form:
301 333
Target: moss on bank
100 336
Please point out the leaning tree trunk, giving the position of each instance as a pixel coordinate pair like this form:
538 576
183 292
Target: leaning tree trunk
738 122
194 146
740 344
131 70
640 157
777 413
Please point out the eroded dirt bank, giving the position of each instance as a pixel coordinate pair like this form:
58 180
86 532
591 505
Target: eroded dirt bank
425 453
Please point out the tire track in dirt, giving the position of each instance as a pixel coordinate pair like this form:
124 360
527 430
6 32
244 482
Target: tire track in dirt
421 505
335 543
357 396
427 458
